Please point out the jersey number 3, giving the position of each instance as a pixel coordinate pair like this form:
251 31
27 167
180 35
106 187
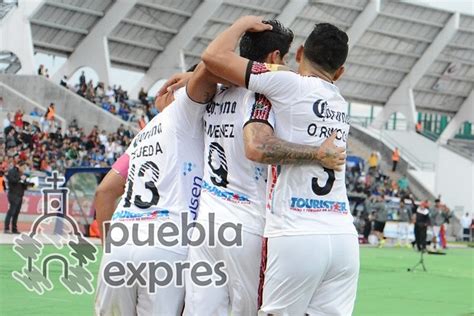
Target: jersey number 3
323 190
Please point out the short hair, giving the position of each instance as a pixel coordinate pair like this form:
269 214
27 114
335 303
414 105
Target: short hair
257 45
327 47
192 68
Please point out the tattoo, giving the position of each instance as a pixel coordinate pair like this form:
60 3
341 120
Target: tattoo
277 151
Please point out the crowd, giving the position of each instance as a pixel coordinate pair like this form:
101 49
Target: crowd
377 198
44 146
114 99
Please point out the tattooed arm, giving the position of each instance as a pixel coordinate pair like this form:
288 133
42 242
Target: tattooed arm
202 85
261 145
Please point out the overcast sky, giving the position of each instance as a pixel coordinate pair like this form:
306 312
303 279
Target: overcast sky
128 79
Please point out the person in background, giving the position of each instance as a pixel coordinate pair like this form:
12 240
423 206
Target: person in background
41 70
418 127
50 112
142 122
2 181
373 162
7 122
404 216
422 221
447 214
82 79
395 159
142 96
437 220
64 82
466 223
403 184
18 119
17 186
381 216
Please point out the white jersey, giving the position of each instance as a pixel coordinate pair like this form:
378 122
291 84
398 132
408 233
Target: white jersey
165 165
304 199
233 187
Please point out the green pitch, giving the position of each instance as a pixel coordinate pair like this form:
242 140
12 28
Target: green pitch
385 286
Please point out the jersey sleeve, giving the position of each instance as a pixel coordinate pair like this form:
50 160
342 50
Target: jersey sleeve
274 81
121 165
187 112
259 109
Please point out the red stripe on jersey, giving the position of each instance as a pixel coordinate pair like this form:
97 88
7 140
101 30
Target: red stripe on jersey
259 68
274 175
263 267
261 108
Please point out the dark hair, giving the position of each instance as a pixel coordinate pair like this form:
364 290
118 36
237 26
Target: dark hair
192 68
257 45
327 47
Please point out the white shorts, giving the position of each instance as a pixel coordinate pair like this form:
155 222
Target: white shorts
242 267
137 299
312 274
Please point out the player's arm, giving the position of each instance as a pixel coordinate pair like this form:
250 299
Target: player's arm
202 84
261 145
220 57
110 189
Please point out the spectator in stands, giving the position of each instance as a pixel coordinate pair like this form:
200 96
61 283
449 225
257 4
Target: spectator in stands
64 82
395 159
18 119
466 223
7 122
403 184
82 79
100 91
418 127
2 181
90 91
381 216
404 217
142 96
17 185
422 221
51 112
41 70
373 162
11 140
142 122
35 112
110 94
73 124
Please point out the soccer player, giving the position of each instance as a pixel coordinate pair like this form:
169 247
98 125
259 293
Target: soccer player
313 251
234 188
158 191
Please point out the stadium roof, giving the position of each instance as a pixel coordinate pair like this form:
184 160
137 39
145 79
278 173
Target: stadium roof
392 43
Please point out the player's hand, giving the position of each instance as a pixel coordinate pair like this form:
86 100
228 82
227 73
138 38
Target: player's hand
331 156
252 23
175 82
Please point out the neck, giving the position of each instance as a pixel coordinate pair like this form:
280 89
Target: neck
309 69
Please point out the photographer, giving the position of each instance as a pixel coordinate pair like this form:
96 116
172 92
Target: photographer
17 185
422 221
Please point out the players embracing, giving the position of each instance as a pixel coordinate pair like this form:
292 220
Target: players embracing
292 122
312 261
